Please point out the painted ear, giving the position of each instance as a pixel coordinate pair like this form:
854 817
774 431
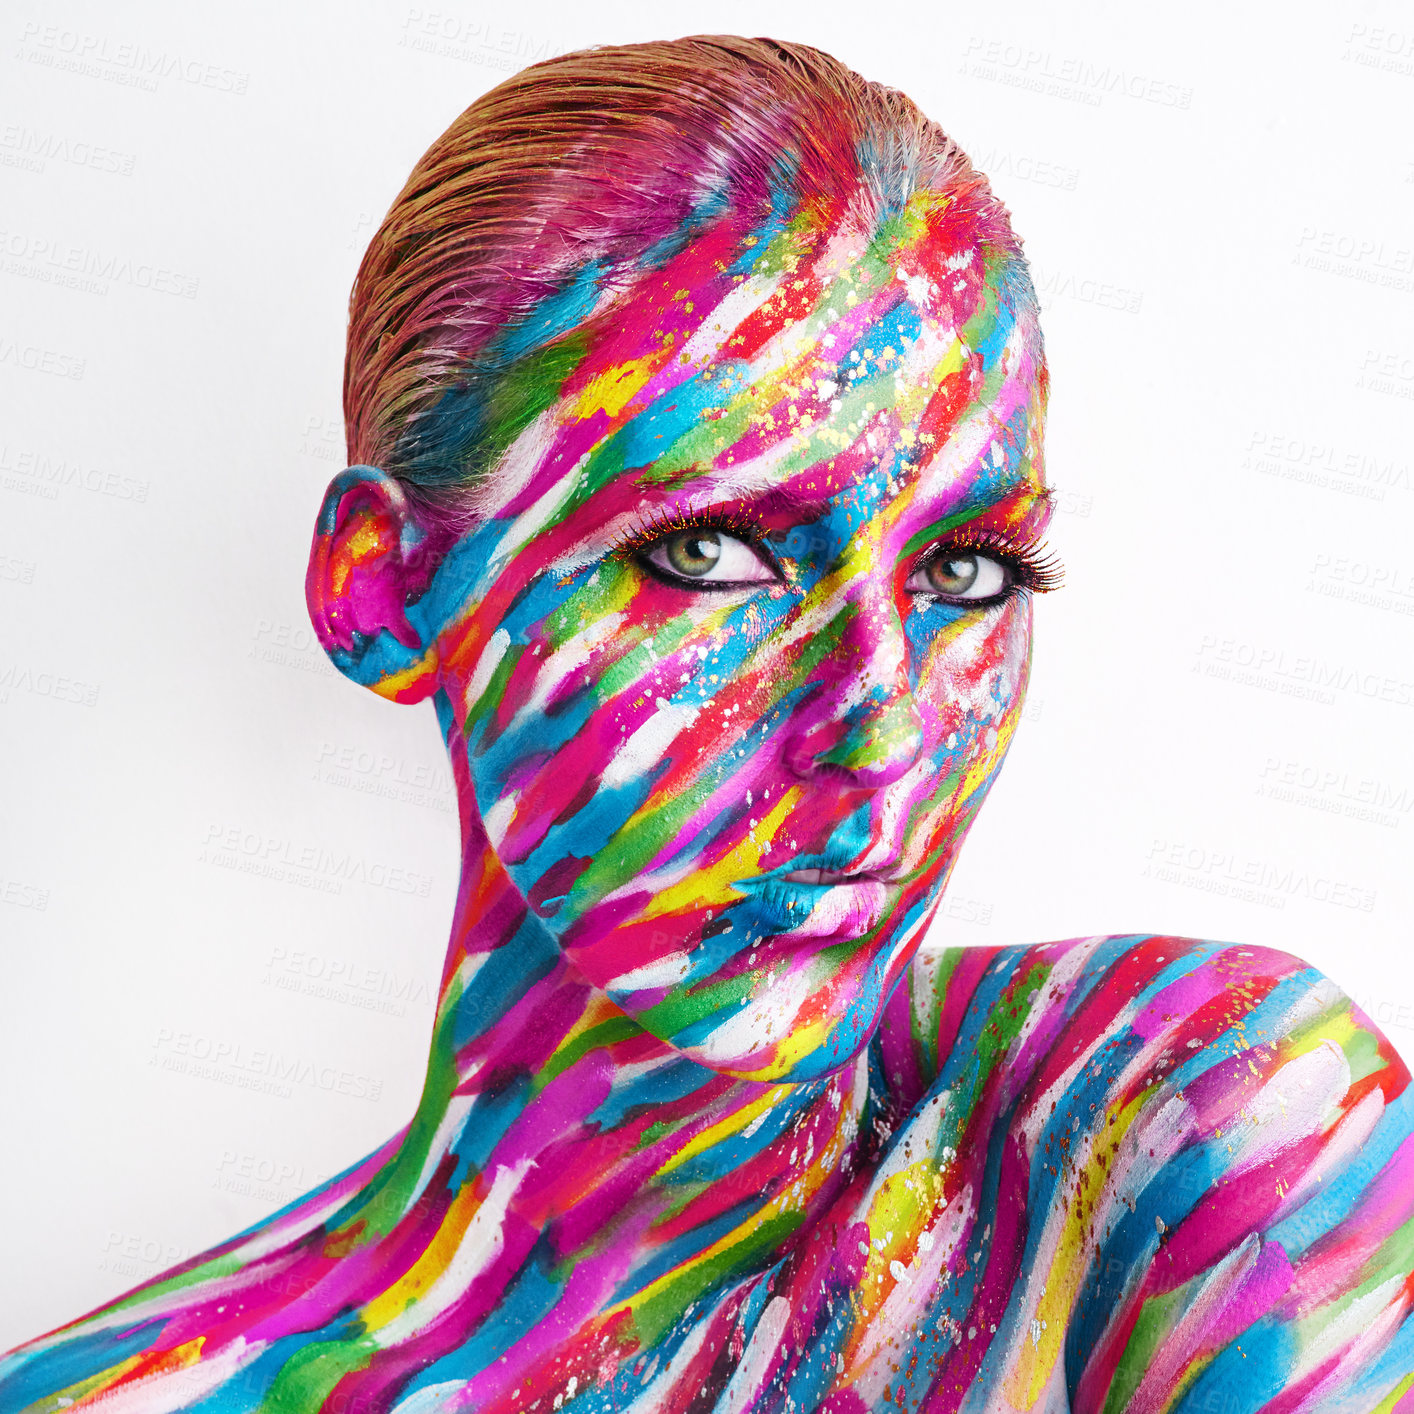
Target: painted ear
368 563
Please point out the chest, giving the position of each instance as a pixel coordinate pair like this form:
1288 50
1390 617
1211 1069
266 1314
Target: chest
971 1268
938 1283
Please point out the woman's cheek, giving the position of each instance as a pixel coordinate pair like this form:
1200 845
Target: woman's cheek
580 786
974 673
970 693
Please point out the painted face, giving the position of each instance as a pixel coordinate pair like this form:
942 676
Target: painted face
743 630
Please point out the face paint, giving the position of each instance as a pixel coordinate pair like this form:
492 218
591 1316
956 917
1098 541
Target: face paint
726 666
742 634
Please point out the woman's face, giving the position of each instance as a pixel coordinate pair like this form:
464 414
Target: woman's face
743 630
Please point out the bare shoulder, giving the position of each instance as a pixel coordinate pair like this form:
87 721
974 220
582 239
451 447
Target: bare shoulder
1183 1001
1121 976
1200 1153
144 1350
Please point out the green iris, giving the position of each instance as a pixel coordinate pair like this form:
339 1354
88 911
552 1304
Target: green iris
692 553
952 574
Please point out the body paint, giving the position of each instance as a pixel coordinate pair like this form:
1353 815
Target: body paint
1114 1173
667 1157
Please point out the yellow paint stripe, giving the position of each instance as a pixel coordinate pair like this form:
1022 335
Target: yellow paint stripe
1068 1266
147 1366
612 389
79 1393
1386 1406
394 683
899 1212
797 1196
799 1042
1336 1025
744 859
435 1259
733 1124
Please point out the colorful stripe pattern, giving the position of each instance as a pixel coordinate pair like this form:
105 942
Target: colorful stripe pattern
701 1130
648 762
1110 1174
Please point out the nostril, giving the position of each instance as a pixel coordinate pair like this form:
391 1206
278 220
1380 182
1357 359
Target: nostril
824 771
807 752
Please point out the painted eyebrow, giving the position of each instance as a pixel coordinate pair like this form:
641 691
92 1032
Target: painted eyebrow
780 501
1028 501
804 507
1019 495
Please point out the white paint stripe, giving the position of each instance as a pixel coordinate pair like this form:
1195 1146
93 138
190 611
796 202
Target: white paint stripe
179 1389
480 1245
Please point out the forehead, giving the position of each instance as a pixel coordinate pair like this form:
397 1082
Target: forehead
768 356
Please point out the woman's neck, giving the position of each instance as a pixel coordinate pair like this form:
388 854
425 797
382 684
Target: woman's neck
554 1131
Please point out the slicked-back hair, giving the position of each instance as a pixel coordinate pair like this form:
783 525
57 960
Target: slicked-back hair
562 187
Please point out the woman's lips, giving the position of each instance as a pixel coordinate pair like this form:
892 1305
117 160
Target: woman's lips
822 876
830 877
823 903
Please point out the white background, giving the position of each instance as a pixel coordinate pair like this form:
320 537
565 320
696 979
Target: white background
1217 207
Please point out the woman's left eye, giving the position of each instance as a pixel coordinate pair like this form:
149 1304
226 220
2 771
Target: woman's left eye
963 576
706 556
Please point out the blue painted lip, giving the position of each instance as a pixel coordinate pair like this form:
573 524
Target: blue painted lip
780 906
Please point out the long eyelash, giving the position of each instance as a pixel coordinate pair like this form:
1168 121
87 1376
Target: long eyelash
1036 568
659 522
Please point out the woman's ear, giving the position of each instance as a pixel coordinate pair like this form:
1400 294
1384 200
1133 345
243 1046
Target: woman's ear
368 563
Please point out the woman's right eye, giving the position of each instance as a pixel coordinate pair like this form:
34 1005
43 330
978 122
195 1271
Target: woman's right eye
708 557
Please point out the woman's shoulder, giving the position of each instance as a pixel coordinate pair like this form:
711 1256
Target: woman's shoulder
1112 1002
148 1349
1126 1129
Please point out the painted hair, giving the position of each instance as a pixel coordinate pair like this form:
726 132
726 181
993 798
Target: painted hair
555 193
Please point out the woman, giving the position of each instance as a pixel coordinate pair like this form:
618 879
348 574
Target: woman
695 394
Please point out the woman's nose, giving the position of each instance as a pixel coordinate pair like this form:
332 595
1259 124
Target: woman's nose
863 721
